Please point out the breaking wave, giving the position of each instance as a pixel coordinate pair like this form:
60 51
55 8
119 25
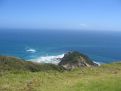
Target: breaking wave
31 50
48 59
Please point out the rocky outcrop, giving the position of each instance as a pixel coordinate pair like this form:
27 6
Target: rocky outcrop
71 60
74 59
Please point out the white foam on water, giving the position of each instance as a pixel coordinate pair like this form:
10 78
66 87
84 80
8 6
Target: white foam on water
31 50
98 63
48 59
55 59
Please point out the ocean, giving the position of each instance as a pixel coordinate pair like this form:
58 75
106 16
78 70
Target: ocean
47 45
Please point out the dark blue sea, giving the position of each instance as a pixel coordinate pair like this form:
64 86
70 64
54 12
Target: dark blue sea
46 45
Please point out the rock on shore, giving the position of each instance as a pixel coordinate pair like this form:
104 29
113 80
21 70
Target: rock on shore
74 59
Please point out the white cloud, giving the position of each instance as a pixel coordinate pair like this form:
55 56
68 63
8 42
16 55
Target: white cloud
83 25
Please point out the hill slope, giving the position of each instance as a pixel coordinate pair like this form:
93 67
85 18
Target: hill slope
18 75
16 64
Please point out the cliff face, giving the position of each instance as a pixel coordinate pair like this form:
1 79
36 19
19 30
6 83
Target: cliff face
72 60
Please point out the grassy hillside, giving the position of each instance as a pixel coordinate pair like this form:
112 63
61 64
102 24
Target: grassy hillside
13 64
104 78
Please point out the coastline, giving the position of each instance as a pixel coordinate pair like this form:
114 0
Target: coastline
20 75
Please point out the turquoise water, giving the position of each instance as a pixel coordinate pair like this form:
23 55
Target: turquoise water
103 47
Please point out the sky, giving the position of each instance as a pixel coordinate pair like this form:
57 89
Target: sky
61 14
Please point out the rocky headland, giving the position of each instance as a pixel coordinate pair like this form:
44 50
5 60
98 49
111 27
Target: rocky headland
71 60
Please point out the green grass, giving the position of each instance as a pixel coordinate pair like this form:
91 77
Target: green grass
104 78
8 64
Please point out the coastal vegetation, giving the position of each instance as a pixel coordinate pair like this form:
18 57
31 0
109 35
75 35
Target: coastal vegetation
19 75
